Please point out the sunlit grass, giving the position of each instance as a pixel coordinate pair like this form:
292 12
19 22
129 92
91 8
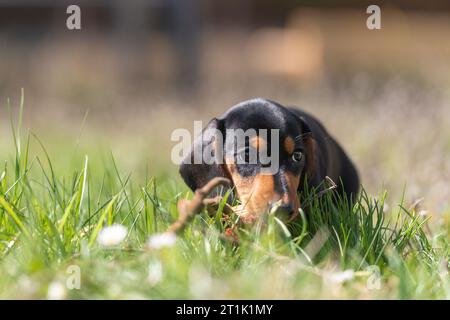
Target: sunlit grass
50 221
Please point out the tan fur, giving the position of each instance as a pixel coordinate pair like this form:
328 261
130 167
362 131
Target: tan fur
289 145
258 143
256 193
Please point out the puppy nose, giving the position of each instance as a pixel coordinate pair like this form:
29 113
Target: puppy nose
286 208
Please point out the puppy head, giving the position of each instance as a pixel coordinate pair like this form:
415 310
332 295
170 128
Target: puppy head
264 150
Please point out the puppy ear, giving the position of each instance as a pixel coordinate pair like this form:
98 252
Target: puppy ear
204 160
306 130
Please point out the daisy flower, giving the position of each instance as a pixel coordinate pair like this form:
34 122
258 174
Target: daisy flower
112 235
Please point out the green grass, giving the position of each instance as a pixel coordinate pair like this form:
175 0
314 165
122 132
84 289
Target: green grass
49 222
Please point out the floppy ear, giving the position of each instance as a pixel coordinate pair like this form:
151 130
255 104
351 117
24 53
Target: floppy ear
197 168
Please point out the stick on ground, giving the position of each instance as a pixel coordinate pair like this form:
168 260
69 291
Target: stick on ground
189 208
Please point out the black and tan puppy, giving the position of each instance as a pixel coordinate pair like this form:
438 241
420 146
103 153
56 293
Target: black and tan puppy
301 149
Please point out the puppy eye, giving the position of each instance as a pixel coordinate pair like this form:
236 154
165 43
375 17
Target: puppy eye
243 155
297 156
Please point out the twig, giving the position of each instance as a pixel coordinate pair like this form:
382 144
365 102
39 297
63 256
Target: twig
189 208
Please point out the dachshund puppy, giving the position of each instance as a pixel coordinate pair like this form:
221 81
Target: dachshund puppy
280 149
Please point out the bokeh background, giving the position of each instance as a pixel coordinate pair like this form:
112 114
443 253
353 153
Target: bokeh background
140 69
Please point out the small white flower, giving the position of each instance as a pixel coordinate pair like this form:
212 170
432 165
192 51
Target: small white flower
160 240
155 273
56 291
423 213
112 235
341 277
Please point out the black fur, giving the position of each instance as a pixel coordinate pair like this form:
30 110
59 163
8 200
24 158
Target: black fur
329 159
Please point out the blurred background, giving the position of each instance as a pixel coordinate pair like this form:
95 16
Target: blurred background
139 69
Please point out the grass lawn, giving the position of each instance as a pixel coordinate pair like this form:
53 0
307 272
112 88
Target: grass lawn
55 241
